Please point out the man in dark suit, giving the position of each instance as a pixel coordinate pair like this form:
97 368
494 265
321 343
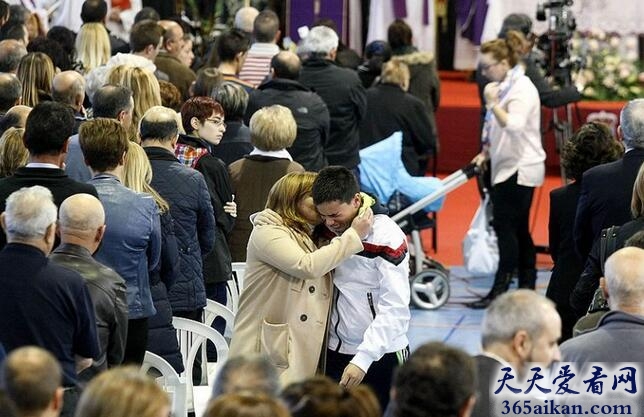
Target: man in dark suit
519 328
47 132
605 196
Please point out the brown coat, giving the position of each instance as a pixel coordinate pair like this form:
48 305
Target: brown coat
284 307
180 75
252 178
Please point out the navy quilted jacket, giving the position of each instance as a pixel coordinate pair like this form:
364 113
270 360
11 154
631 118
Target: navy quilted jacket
194 224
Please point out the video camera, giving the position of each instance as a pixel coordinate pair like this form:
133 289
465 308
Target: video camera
555 42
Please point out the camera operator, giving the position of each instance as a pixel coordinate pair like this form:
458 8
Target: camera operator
549 97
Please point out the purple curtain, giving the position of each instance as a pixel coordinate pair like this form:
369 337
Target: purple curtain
302 14
471 16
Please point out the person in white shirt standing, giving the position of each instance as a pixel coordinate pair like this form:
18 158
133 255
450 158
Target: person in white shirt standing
512 142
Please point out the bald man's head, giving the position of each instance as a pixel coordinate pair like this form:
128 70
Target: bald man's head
624 279
69 88
81 221
159 123
32 378
15 117
172 36
287 65
81 212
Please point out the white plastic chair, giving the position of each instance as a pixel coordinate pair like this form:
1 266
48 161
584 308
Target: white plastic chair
213 310
191 336
236 285
239 269
169 380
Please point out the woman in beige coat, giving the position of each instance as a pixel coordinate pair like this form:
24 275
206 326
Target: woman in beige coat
284 307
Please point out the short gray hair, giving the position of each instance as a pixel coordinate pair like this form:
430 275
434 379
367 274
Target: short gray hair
514 311
320 40
29 212
631 120
244 18
247 373
233 98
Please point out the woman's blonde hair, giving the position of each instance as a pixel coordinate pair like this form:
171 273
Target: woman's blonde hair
13 153
246 405
511 48
286 193
395 72
144 85
122 392
93 46
36 73
137 175
272 128
637 201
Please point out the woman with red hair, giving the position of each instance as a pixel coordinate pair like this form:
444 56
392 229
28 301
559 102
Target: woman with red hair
203 121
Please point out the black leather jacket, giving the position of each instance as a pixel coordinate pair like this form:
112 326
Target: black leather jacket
108 292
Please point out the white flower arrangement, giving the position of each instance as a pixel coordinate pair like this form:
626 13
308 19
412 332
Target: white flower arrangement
611 70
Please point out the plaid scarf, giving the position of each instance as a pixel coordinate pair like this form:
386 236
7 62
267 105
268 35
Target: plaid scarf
189 155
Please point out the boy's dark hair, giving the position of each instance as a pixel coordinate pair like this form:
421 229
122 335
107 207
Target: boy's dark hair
437 380
48 127
334 183
231 43
144 33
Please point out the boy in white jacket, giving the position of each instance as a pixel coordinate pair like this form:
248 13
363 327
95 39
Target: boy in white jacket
370 312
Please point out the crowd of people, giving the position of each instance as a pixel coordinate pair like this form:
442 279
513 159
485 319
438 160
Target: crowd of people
134 174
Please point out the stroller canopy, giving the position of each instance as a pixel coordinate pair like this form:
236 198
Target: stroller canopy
382 173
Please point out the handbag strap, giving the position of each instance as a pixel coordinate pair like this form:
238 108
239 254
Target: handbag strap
607 244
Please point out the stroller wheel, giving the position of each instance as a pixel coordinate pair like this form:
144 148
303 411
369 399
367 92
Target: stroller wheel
430 289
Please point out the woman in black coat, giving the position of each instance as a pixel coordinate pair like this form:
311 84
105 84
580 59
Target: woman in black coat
593 144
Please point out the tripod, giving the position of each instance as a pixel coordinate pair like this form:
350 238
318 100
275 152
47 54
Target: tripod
562 128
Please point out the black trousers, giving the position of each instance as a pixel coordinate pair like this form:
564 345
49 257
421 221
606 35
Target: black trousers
137 341
380 374
511 211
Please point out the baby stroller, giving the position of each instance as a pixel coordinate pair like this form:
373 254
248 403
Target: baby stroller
409 199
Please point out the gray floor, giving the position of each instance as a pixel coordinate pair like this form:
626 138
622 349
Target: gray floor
454 323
